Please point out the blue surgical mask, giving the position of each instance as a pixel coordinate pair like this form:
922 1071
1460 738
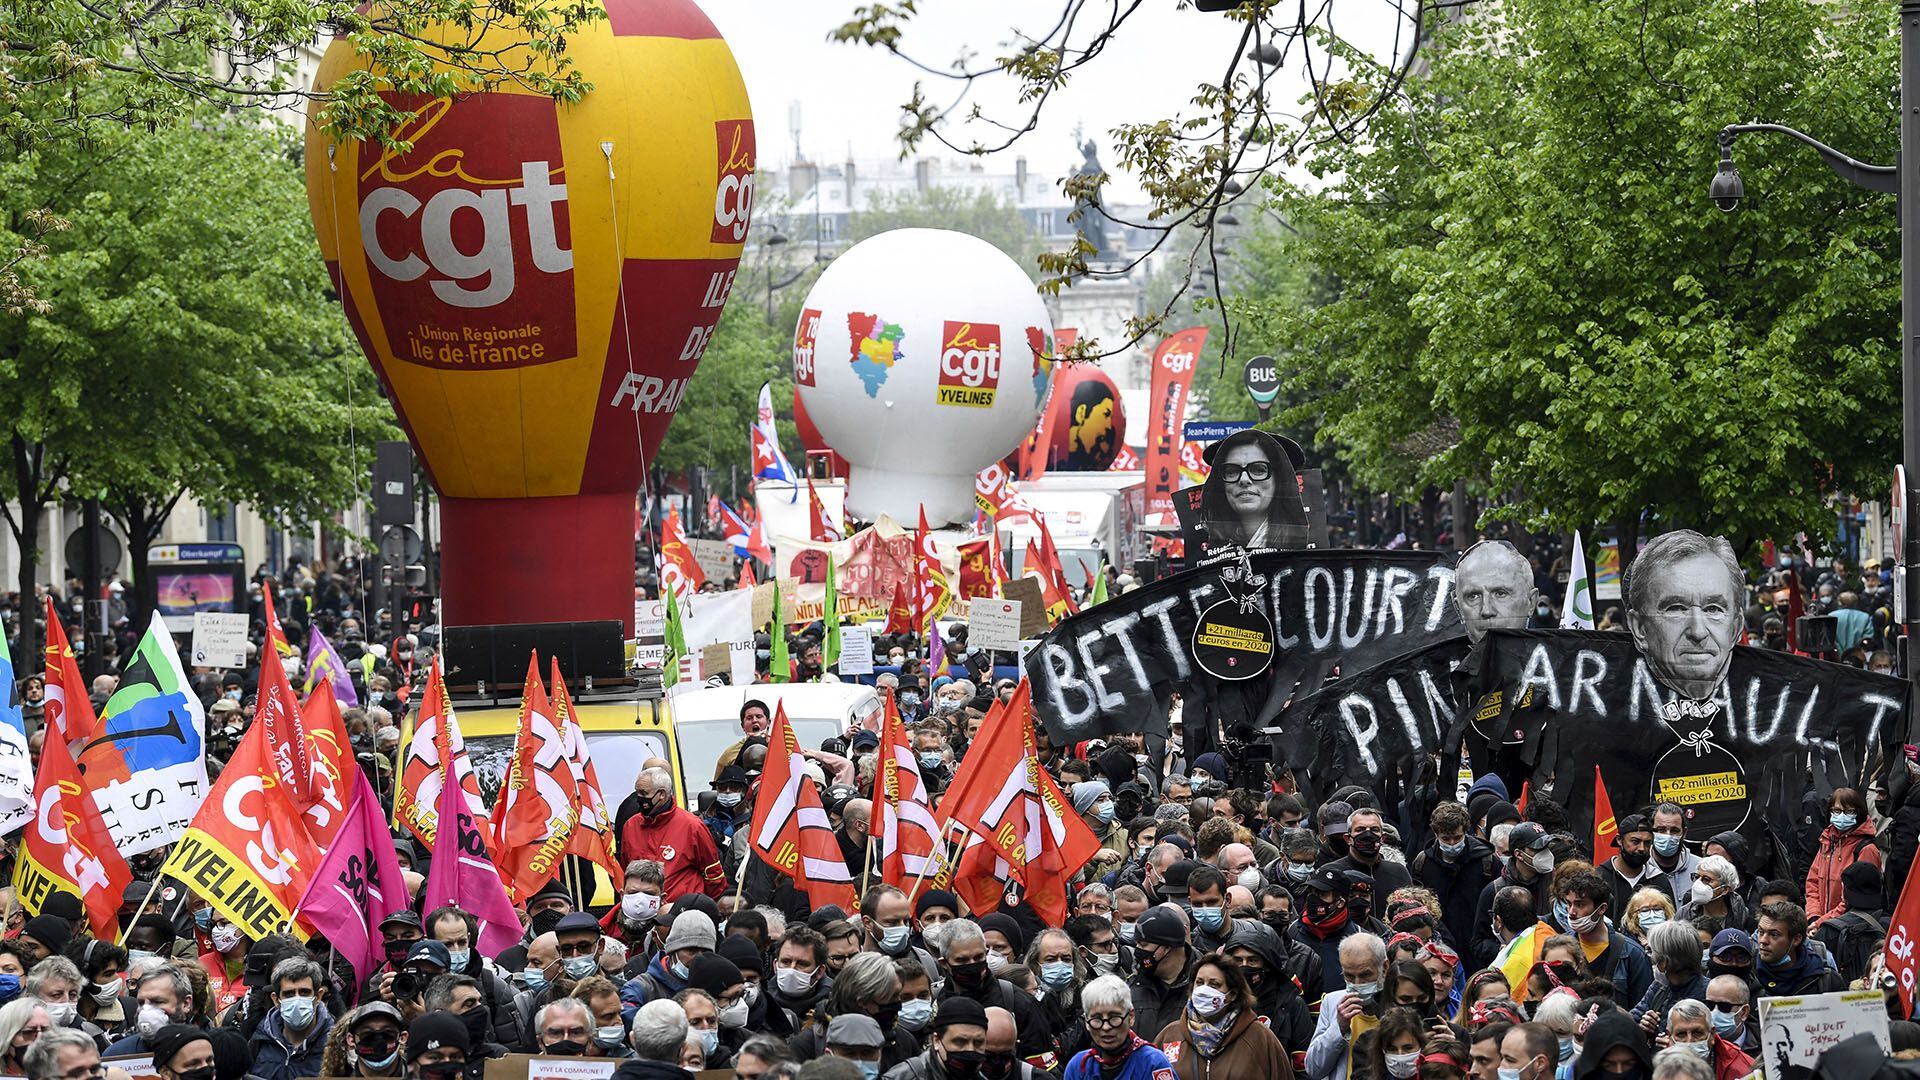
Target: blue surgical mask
1509 1074
1648 918
894 938
1451 850
930 761
1126 930
709 1040
1299 871
728 799
1666 845
534 979
915 1014
458 959
1725 1024
1209 918
869 1070
203 918
1843 822
1561 916
1056 974
298 1012
1566 1048
579 967
1365 991
611 1035
9 987
680 971
1103 813
141 954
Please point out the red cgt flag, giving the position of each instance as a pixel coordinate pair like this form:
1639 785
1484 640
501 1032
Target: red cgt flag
1900 941
976 568
538 806
900 614
1606 832
909 839
1002 796
593 826
65 847
67 709
789 830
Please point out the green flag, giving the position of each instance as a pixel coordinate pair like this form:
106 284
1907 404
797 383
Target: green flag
676 635
780 669
1099 587
830 652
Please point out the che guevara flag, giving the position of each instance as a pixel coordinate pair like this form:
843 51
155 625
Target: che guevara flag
358 883
66 846
1002 795
593 825
247 851
67 708
789 830
534 816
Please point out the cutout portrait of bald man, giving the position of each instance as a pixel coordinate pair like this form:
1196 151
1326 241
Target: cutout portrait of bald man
1684 607
1494 587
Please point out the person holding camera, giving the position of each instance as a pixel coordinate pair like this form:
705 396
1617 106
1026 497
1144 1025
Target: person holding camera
405 989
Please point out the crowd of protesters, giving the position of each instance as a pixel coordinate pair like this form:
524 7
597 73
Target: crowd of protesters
1220 932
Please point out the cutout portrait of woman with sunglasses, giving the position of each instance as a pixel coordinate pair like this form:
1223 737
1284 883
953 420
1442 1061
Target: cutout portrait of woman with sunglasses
1252 496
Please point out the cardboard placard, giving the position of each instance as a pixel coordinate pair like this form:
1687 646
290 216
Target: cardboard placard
715 558
716 658
1794 1032
545 1067
1025 591
994 623
856 650
219 640
138 1066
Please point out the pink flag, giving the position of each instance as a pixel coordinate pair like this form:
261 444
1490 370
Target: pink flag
357 884
462 873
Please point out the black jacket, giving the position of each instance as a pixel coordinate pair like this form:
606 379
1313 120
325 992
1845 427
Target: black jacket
1904 796
1606 1032
1485 947
1387 876
1278 997
647 1069
1805 973
1457 884
1157 1004
1036 1038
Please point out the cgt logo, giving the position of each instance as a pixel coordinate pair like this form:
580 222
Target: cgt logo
969 365
733 195
466 235
1177 361
805 333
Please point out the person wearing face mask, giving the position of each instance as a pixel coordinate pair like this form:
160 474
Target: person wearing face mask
1690 1026
1613 1048
1207 904
1456 865
1220 1034
535 982
1005 942
104 1000
730 811
1060 972
225 961
672 836
1351 1011
1298 851
436 1048
916 998
365 1043
886 917
1163 968
1529 1051
867 988
1607 951
1729 1006
398 932
1716 892
800 981
461 996
690 937
164 995
1271 965
1325 926
56 982
291 1038
633 919
720 979
857 1038
1632 869
1847 838
1118 1051
1670 854
608 1038
963 949
1366 835
562 1028
1674 949
181 1052
1529 866
457 930
956 1048
1094 803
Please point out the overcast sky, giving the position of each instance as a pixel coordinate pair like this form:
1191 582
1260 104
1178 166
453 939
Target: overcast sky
850 96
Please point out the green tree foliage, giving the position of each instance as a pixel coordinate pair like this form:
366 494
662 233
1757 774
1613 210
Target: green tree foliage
1517 279
710 426
976 213
184 339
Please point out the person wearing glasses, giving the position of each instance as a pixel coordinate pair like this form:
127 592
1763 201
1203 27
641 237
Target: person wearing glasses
1118 1053
22 1020
71 1054
1251 498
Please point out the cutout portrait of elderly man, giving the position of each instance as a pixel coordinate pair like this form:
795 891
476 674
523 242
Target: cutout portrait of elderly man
1252 494
1684 593
1494 587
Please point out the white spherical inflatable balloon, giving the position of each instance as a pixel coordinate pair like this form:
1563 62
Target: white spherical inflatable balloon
920 357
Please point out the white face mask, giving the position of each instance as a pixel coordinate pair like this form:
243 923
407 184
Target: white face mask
639 906
996 963
1207 1001
734 1015
792 981
1543 862
1401 1066
1701 892
1250 878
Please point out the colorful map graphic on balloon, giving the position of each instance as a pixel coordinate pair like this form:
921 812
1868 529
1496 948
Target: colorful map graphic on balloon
876 347
1042 346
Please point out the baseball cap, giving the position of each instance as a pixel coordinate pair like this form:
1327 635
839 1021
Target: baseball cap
1732 938
1160 926
1173 882
1328 880
857 1031
574 921
430 951
401 918
1333 818
1526 836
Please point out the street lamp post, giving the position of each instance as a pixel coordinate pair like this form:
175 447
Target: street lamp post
1727 191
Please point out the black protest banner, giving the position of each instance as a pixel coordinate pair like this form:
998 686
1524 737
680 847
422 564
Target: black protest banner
1359 727
1110 668
1778 727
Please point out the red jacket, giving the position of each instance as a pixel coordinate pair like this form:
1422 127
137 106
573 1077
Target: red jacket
1729 1061
680 843
1838 851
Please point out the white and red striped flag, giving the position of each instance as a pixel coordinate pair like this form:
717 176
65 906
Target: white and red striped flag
910 846
790 831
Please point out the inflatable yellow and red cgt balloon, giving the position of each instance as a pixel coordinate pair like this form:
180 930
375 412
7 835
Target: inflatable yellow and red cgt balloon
535 283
